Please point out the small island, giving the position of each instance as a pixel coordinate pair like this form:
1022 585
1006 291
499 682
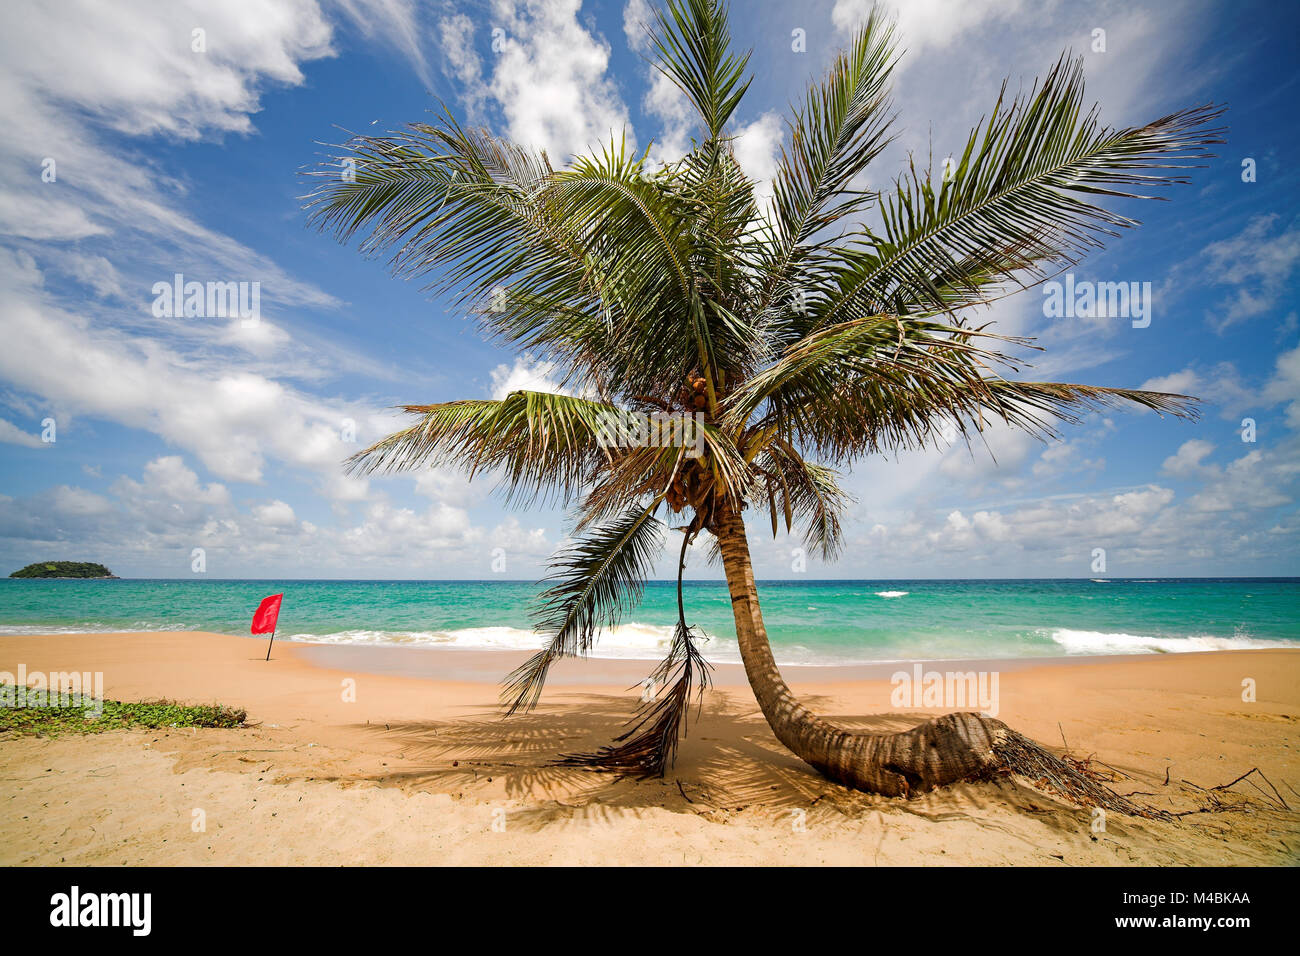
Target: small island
64 569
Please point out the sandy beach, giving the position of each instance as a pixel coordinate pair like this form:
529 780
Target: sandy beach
420 768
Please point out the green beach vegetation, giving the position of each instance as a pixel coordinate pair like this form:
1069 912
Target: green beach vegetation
52 714
63 569
832 323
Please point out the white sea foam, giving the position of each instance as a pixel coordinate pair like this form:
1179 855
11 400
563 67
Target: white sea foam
1099 642
90 627
627 641
892 594
645 642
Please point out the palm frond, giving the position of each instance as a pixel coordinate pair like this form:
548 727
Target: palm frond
1019 199
598 578
649 746
842 126
868 384
592 267
813 498
692 41
642 231
887 383
719 202
540 443
443 197
1015 401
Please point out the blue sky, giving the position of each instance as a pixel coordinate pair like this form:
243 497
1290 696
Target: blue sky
176 433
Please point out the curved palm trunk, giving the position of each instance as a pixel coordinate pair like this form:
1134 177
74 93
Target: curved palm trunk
941 751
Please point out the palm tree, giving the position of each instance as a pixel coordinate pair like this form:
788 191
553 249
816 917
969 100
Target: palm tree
803 336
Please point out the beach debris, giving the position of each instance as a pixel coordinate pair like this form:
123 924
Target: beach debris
1075 779
1250 772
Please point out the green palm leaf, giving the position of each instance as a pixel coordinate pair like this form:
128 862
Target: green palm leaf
843 125
539 442
1018 200
693 45
597 579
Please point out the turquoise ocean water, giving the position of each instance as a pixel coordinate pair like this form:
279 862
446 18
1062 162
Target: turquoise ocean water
813 622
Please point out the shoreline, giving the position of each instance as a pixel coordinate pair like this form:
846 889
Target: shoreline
419 768
488 665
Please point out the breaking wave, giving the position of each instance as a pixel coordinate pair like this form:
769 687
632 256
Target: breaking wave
1100 642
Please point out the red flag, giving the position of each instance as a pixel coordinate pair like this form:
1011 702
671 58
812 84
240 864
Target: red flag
268 612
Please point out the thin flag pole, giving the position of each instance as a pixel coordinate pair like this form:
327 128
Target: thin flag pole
268 646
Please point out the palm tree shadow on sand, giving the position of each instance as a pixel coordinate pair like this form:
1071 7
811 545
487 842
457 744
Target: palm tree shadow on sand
730 763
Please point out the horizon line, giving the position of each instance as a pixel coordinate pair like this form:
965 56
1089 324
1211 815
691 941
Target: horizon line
719 580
